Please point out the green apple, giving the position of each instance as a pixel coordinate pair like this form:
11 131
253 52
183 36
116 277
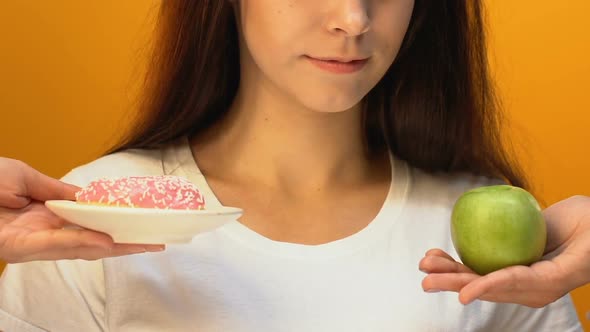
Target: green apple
494 227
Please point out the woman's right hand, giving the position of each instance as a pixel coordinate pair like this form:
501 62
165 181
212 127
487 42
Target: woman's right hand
29 231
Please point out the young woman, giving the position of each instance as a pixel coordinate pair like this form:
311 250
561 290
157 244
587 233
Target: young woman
345 129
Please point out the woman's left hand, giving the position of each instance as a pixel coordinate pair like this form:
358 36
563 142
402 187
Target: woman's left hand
565 266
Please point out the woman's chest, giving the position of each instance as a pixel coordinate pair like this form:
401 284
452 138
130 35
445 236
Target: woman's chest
204 292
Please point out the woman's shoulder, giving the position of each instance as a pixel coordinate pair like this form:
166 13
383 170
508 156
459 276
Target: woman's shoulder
132 162
445 188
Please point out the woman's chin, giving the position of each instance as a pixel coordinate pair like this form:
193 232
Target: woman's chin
332 106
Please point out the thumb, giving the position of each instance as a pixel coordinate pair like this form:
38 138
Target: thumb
41 187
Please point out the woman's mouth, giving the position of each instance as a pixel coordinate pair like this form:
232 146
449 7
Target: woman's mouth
338 65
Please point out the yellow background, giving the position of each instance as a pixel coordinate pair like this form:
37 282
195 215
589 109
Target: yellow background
69 68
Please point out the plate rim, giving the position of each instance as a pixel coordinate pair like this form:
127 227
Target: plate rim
73 205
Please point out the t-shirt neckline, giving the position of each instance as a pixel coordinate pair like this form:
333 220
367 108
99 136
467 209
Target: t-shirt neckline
178 159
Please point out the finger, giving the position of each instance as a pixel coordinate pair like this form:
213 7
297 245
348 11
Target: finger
81 237
437 264
61 239
484 285
92 253
90 238
147 247
76 244
11 200
439 253
516 284
47 235
124 248
562 219
514 281
35 217
437 282
41 187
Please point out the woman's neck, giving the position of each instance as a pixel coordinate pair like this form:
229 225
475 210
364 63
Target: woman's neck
273 141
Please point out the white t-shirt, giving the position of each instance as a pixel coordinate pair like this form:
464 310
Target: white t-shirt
234 279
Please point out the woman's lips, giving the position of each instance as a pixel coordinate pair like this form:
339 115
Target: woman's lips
338 66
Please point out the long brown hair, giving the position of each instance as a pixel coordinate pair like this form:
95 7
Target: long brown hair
435 107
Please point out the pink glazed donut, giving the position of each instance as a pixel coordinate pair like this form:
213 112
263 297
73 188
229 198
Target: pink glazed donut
155 192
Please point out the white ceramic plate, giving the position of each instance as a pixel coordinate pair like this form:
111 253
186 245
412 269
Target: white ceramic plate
141 225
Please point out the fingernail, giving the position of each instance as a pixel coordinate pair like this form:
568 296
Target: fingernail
156 249
137 250
432 290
